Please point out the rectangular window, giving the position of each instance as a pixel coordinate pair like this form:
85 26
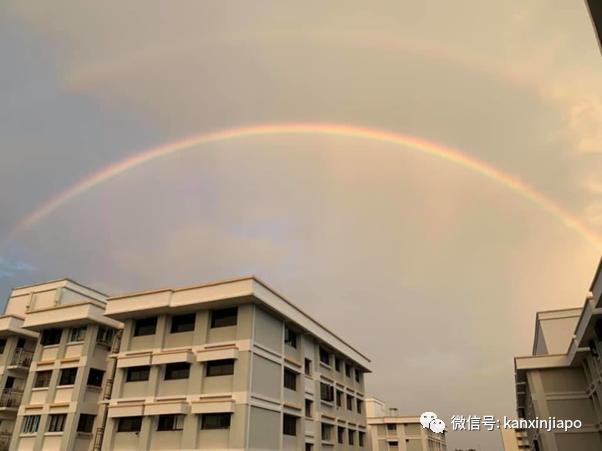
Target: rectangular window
358 375
51 337
216 421
68 376
349 402
137 374
183 323
105 336
289 425
177 371
145 326
290 380
393 444
31 423
57 422
361 438
352 437
326 430
129 424
326 392
224 318
391 427
339 398
360 406
337 364
341 435
170 423
309 447
85 423
290 337
220 368
324 356
42 379
347 370
95 377
309 408
2 345
77 334
308 367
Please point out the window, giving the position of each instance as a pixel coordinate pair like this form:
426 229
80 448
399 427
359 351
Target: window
341 435
51 337
129 424
220 368
31 423
2 345
10 382
352 437
308 367
391 427
309 408
309 447
290 380
177 371
326 430
146 326
337 364
42 379
137 373
105 336
85 423
358 375
347 370
224 318
68 376
183 323
339 398
289 425
290 337
170 423
77 334
57 422
326 392
393 444
349 402
324 356
361 438
216 421
360 406
95 377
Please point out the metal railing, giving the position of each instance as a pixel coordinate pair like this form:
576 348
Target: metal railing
100 432
11 397
108 389
117 342
22 357
5 438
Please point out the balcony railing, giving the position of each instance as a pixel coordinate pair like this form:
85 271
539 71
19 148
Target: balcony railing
5 438
108 389
11 397
22 357
98 437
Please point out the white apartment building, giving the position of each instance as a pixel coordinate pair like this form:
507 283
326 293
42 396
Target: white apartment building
562 380
388 431
62 391
231 365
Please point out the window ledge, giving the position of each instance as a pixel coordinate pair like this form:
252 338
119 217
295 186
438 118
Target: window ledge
50 346
53 434
75 343
94 387
39 388
65 386
328 403
326 366
85 434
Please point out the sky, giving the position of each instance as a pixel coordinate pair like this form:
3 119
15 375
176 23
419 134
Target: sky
432 268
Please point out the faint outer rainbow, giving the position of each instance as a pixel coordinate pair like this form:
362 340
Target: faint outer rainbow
407 141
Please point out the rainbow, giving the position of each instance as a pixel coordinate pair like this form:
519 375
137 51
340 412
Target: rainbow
445 153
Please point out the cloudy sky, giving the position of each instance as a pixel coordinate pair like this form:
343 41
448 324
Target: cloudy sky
432 269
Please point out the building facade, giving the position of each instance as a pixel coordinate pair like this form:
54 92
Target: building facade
515 439
595 10
562 380
388 431
229 365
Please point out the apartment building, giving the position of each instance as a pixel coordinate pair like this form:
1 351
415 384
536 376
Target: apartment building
67 344
388 431
231 365
562 379
515 439
595 10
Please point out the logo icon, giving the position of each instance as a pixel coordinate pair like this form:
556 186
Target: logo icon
430 420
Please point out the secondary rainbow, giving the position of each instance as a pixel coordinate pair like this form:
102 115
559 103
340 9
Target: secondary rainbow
407 141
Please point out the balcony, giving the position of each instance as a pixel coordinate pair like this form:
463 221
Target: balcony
22 358
11 398
5 438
